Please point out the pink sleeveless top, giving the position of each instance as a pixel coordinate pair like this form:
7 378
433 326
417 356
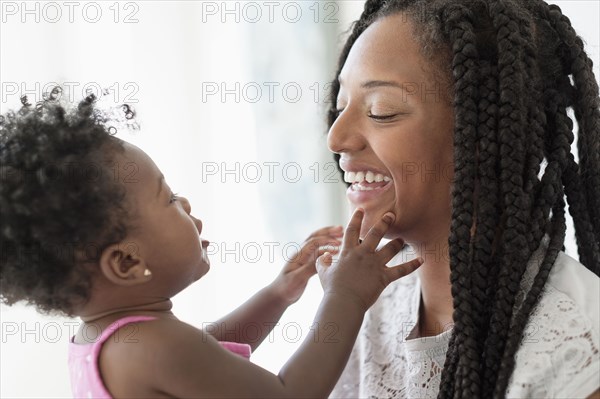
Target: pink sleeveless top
86 381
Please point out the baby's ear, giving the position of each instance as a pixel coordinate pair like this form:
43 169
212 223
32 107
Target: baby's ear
122 265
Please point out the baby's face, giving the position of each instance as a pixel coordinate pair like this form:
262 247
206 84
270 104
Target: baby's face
165 234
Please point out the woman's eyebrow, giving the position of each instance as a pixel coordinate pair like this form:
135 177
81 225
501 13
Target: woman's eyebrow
371 84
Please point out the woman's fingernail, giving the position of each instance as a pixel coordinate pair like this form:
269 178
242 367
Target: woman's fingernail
420 260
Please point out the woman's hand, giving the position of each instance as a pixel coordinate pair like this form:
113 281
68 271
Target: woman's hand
360 274
291 282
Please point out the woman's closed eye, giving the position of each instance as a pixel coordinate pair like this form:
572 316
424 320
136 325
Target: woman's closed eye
382 117
174 198
377 116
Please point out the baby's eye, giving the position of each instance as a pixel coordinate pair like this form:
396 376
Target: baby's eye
174 198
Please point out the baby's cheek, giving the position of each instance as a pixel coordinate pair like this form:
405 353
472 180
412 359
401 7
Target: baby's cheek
193 241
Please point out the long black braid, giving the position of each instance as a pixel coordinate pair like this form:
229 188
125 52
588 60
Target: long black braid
509 63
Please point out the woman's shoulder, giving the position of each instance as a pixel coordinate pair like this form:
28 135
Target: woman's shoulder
570 300
559 352
576 282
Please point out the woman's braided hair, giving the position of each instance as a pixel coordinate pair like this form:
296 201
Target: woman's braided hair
509 66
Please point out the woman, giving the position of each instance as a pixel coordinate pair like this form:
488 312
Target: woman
453 115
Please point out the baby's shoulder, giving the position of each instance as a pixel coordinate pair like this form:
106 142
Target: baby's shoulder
157 336
133 365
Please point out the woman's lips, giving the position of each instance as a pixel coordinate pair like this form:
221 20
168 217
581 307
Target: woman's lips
360 193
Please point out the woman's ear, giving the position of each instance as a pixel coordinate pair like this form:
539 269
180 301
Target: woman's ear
122 264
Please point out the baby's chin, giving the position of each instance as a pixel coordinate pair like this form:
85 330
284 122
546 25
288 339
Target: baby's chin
206 269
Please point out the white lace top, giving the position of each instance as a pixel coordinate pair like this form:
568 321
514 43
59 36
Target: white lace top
558 357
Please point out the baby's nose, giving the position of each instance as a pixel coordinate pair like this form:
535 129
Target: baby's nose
198 224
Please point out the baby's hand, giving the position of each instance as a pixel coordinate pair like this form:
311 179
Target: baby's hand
360 274
291 282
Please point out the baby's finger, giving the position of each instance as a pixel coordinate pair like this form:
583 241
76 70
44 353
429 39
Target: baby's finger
312 246
309 267
324 261
316 242
389 250
377 232
335 231
395 272
329 246
352 233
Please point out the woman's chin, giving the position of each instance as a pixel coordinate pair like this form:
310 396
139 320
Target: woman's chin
369 221
371 218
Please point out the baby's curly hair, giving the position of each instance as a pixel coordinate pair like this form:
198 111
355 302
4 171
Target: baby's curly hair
60 205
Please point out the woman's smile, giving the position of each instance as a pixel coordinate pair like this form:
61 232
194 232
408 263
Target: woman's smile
367 182
360 193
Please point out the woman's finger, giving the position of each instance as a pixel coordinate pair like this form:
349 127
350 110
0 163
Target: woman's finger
377 232
352 233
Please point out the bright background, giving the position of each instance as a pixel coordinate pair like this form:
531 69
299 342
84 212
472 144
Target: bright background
231 101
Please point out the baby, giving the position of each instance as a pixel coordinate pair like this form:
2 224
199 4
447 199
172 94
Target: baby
134 245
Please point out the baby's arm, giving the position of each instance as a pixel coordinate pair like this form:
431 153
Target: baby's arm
192 364
258 315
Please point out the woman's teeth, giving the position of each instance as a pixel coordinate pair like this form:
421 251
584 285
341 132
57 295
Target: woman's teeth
366 181
368 176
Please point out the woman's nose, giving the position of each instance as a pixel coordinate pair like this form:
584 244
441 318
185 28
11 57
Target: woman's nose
345 134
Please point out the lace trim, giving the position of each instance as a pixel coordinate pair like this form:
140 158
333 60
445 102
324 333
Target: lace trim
558 357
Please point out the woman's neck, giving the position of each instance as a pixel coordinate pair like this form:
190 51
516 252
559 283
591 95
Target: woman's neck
436 308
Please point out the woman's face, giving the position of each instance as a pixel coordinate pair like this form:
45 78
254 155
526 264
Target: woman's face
394 120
